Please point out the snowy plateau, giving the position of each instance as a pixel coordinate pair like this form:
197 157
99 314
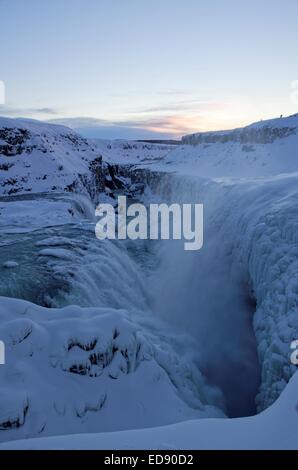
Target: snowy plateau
121 344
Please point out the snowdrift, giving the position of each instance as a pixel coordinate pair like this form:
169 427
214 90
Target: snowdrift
274 429
89 369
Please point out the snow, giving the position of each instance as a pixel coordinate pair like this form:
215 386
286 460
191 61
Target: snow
262 149
269 129
275 428
118 378
25 215
56 253
51 157
40 157
133 152
10 264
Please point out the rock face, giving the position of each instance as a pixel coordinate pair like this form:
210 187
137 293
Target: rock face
13 140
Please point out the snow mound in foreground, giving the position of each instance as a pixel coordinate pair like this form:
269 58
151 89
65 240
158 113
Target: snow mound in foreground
88 370
276 428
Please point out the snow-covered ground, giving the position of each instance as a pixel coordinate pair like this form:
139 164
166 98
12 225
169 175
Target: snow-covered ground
75 369
132 152
158 336
262 149
275 428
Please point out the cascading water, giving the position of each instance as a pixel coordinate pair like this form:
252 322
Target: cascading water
205 294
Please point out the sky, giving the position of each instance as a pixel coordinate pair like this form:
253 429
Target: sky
148 68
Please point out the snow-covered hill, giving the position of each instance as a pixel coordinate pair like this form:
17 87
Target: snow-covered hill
262 149
40 157
261 132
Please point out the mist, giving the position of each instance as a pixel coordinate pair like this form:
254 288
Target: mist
199 293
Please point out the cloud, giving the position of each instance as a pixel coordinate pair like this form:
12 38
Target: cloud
83 121
100 128
44 111
26 112
167 127
174 125
192 104
176 92
169 119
